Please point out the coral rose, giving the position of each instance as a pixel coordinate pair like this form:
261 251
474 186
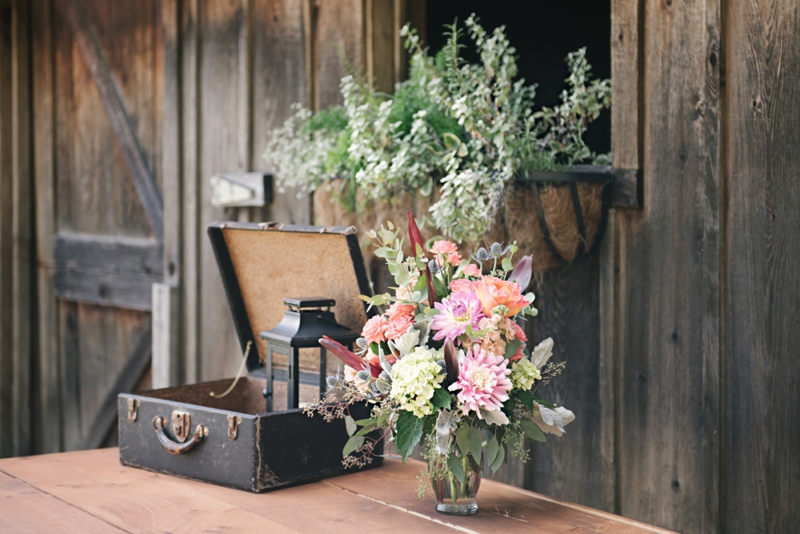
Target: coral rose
399 310
374 329
398 326
494 292
472 270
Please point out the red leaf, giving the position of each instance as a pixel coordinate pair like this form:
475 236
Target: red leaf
450 363
414 234
522 273
347 356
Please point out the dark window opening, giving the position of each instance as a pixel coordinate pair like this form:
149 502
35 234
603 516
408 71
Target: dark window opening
543 32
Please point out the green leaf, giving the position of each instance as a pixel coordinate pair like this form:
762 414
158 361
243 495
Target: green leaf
350 425
507 266
454 464
352 444
409 432
532 431
366 430
429 424
526 398
491 450
545 403
499 459
382 418
451 141
462 439
512 347
365 422
475 441
441 398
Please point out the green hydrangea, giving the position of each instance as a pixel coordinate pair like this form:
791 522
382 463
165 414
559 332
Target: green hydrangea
523 374
414 380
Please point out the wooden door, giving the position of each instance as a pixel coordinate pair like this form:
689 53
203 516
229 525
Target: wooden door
97 94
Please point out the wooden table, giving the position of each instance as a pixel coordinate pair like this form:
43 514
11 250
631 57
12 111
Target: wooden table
89 491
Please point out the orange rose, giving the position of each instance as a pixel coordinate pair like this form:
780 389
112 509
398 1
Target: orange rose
494 292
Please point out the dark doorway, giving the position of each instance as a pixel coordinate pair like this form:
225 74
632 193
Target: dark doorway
543 32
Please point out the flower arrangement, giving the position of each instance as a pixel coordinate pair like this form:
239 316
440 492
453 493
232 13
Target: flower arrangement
464 128
445 365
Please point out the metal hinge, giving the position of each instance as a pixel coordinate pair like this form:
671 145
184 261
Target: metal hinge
133 409
233 426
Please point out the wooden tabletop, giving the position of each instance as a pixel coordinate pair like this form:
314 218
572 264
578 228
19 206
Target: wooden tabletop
89 491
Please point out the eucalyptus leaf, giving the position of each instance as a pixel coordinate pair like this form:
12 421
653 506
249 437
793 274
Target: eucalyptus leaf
454 464
492 447
350 425
352 444
475 443
499 459
532 431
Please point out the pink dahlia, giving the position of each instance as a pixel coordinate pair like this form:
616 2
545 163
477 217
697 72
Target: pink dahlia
460 310
482 381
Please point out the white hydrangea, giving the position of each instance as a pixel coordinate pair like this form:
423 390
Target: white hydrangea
415 378
523 374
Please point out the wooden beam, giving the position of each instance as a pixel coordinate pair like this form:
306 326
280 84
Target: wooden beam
48 400
118 117
127 378
166 330
109 271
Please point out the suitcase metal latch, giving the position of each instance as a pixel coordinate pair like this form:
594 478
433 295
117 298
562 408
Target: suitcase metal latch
233 426
181 425
133 408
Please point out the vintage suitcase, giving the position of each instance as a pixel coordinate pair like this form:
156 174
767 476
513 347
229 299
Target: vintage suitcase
232 441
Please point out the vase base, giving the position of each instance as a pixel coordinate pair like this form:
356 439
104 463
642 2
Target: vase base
468 507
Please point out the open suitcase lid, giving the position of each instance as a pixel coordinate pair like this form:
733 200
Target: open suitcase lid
263 263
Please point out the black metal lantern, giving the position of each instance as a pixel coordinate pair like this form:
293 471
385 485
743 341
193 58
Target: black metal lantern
304 323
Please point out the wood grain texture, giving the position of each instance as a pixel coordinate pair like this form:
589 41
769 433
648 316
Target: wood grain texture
760 482
7 367
668 315
106 270
23 233
119 119
281 77
379 500
570 467
47 398
339 47
25 509
220 118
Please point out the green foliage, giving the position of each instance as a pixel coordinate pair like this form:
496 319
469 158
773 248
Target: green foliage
409 432
469 127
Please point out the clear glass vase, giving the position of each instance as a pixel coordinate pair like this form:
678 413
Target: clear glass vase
452 496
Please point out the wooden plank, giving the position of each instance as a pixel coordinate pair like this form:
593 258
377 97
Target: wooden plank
47 399
69 379
382 500
379 44
220 143
626 136
156 502
128 376
570 467
760 477
109 271
171 171
166 338
338 42
281 77
190 31
6 241
502 508
128 142
23 269
26 509
666 318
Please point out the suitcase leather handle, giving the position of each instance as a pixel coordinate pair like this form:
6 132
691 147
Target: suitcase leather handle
173 447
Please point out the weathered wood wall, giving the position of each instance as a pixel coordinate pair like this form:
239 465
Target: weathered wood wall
679 338
698 289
